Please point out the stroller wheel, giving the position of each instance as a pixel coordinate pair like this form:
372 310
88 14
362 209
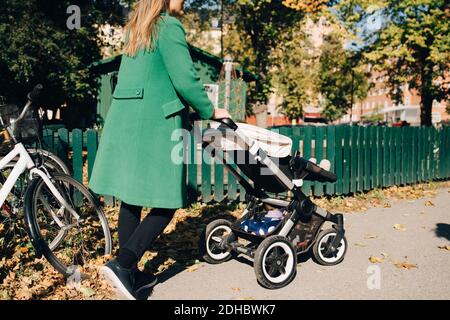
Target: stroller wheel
211 239
320 247
275 262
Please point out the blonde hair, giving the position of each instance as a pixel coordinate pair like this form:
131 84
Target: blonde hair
141 29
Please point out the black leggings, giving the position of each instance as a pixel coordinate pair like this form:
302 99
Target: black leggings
136 237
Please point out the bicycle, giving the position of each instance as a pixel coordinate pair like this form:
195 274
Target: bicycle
63 219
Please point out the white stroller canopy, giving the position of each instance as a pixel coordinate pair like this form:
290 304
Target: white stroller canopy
274 144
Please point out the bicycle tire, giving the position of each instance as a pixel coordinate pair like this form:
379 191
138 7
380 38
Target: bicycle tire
33 224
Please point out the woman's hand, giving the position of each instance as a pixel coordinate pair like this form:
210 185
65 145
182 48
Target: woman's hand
221 114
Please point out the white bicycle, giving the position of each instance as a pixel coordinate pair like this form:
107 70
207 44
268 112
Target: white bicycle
64 220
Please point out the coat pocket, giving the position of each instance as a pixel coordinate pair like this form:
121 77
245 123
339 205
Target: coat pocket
172 108
128 93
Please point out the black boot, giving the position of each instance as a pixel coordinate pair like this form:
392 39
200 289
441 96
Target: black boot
118 277
144 281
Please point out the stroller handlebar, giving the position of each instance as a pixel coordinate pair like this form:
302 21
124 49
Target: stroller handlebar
314 172
226 121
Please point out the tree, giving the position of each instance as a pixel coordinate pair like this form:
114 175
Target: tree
309 6
342 79
36 46
410 43
296 73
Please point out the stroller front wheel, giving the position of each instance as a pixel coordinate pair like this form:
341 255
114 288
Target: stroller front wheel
275 262
211 239
320 248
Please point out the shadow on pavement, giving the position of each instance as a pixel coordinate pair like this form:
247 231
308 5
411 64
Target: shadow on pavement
443 230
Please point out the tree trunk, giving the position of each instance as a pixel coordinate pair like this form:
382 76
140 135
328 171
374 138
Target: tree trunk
426 105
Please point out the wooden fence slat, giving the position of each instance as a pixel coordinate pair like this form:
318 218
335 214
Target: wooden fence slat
373 156
192 171
339 149
218 179
391 152
398 155
433 154
63 141
285 131
77 157
386 166
379 159
232 186
346 160
206 177
331 154
413 157
319 155
367 146
307 153
92 145
361 159
354 159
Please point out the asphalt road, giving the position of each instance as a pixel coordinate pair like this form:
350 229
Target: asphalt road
371 233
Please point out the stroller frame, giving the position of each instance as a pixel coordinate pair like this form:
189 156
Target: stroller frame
300 210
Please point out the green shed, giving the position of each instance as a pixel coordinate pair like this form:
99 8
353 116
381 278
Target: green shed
210 69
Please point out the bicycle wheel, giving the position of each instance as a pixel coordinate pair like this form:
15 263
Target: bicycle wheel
66 242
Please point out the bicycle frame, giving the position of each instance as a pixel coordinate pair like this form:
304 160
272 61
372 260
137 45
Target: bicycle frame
26 163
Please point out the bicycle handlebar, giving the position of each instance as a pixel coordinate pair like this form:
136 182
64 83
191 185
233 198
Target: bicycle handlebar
32 97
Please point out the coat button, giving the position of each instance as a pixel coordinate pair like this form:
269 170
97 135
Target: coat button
138 92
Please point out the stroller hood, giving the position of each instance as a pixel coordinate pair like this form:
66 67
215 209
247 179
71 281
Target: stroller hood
274 144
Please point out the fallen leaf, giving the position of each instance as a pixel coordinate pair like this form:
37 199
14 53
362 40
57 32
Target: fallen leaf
405 265
399 227
370 236
429 203
444 247
384 254
359 244
374 259
236 289
192 268
24 294
87 292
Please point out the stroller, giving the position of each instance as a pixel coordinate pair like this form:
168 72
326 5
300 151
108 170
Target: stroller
271 230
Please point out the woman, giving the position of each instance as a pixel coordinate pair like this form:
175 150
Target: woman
157 81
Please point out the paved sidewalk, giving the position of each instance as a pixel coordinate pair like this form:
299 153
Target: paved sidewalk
426 228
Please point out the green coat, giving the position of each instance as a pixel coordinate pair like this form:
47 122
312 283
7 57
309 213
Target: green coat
150 101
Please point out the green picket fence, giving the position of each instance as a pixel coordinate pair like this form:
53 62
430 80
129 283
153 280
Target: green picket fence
363 158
